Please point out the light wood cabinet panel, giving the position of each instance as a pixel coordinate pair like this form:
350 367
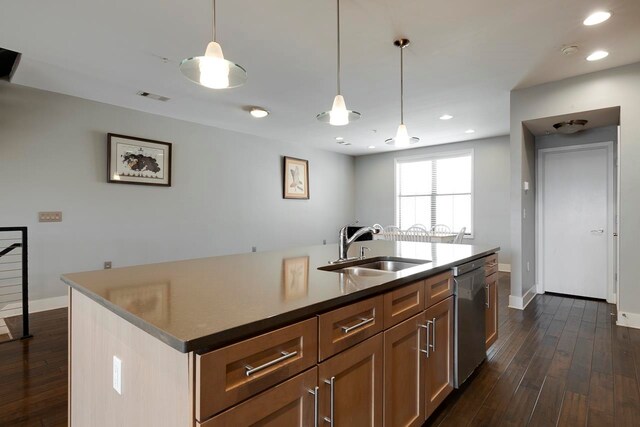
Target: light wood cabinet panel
439 365
491 312
437 288
346 326
291 403
352 384
226 376
491 265
403 303
404 365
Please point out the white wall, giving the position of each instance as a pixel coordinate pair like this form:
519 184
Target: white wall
375 191
226 194
610 88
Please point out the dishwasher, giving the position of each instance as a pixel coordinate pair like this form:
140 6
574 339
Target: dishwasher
470 302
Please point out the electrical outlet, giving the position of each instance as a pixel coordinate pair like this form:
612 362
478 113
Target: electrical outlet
254 249
117 374
524 213
49 216
528 266
107 265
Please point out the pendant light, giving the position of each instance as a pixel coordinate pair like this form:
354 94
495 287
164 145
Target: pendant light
402 138
212 70
339 115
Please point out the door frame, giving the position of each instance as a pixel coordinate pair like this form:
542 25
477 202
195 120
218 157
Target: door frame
612 201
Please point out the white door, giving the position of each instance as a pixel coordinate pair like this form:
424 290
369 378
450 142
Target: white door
575 219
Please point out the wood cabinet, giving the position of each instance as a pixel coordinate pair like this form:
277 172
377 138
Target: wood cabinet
292 403
438 287
351 386
404 380
491 318
439 345
403 303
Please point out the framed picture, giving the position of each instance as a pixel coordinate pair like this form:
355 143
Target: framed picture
296 178
141 161
295 277
148 301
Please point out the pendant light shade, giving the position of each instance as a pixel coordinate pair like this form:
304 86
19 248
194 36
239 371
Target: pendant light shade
402 138
338 115
212 70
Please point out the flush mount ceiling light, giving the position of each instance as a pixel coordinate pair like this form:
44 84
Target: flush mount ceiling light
598 55
446 117
372 147
570 126
402 138
469 131
212 70
339 115
597 18
258 112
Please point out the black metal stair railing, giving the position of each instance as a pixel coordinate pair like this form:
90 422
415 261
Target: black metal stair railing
14 275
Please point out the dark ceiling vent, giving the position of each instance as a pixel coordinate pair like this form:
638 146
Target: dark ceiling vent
570 126
153 96
9 61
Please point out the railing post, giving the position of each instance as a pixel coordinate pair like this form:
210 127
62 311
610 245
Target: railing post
25 284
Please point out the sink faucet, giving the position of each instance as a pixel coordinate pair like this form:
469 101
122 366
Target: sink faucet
344 241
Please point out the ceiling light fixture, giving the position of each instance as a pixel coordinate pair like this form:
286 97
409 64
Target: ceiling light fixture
402 138
259 113
212 70
339 115
570 126
469 131
372 147
597 18
598 55
339 138
446 117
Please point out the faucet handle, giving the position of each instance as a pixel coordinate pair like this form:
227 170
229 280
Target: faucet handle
362 250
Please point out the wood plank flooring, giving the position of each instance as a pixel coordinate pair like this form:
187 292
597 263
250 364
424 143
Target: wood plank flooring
562 361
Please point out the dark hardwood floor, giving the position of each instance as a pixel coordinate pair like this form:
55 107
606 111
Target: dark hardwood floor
562 361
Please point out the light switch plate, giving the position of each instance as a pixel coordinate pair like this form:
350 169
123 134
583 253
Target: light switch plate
117 374
50 216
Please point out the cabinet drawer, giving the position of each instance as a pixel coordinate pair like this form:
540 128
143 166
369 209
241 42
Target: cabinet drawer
403 303
491 265
437 288
340 329
234 373
288 404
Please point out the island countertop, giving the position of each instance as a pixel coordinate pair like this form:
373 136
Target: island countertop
205 303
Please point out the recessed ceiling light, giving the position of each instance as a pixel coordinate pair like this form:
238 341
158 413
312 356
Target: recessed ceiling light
597 18
597 55
372 147
446 117
339 138
469 131
259 113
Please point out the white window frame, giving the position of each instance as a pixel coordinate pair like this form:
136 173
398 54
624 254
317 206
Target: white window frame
436 156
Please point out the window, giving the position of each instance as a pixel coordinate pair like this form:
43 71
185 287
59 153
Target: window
434 190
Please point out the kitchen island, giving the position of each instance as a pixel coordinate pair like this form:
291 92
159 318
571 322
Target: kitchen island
223 340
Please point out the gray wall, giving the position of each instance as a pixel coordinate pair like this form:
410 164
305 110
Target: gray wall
610 88
375 191
226 194
589 136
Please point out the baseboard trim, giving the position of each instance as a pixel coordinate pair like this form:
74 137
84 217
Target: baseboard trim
505 268
38 305
520 303
630 320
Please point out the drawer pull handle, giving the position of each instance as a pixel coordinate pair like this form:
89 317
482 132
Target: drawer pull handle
315 393
250 370
488 295
433 336
332 383
426 350
347 329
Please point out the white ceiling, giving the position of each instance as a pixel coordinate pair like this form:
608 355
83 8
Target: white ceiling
465 57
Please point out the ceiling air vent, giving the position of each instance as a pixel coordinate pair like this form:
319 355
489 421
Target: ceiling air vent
570 126
153 96
9 61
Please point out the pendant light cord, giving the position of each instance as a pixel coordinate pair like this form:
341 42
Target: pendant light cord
213 30
402 85
338 22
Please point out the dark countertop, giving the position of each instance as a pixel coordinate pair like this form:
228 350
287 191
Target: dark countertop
201 304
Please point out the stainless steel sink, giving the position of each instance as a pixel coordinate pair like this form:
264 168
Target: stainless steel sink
388 265
374 266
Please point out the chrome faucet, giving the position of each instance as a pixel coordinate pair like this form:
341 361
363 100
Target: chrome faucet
344 241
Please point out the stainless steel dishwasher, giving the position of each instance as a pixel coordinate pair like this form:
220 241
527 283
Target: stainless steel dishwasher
470 300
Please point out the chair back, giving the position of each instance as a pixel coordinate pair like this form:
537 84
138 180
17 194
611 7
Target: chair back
460 235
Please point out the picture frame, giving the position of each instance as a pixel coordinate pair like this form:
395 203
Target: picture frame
295 277
141 161
295 178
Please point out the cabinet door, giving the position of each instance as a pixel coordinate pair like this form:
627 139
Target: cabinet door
292 403
404 373
439 366
491 319
351 386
